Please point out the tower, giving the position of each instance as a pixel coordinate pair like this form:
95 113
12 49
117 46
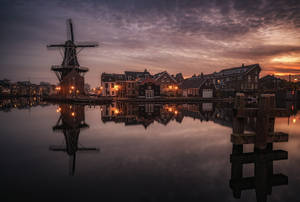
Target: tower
70 74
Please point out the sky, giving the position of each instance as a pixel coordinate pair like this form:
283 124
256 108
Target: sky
184 36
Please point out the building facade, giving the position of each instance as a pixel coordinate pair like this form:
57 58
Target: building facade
148 88
198 87
239 79
168 84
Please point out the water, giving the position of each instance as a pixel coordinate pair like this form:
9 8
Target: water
126 152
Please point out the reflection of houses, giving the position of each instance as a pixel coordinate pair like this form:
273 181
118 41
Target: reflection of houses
21 103
202 111
263 156
140 114
197 87
70 123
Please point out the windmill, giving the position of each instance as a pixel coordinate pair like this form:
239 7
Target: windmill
70 73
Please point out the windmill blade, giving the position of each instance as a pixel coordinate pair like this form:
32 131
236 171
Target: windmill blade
57 148
71 30
55 45
87 45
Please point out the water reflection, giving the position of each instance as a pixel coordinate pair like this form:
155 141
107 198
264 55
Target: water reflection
262 136
193 158
71 121
146 114
7 105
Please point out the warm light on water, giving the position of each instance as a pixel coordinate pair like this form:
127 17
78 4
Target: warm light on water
184 154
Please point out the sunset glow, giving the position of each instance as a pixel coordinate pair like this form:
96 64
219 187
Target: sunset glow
286 59
176 36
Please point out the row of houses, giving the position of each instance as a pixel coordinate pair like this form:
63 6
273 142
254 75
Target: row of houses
145 85
25 88
140 84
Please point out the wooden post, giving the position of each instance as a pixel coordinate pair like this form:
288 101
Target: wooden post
264 122
239 105
240 101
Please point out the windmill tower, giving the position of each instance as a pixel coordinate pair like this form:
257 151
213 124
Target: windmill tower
70 73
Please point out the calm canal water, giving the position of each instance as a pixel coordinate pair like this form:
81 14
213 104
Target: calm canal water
152 152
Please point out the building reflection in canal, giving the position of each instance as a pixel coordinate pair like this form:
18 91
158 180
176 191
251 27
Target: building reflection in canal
249 125
70 123
146 114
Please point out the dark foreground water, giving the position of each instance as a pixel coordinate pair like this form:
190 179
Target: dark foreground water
147 152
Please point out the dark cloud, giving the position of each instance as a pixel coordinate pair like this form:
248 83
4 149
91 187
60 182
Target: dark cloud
262 51
168 34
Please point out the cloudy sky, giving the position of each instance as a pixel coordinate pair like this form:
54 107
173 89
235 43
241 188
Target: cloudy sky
185 36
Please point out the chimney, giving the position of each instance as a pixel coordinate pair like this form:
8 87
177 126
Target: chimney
243 65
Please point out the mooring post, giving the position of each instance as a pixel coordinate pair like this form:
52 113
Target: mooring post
264 123
238 122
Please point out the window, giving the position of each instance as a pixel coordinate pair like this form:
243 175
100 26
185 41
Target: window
112 92
249 77
112 85
106 85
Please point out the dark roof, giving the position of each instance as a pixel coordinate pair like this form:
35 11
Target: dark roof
158 75
148 80
135 75
237 70
270 77
232 71
24 83
179 78
5 83
112 77
193 83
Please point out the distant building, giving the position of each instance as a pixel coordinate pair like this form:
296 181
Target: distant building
179 78
5 86
271 82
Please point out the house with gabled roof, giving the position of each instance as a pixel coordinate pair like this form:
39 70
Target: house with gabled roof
243 78
148 88
198 87
113 84
168 84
